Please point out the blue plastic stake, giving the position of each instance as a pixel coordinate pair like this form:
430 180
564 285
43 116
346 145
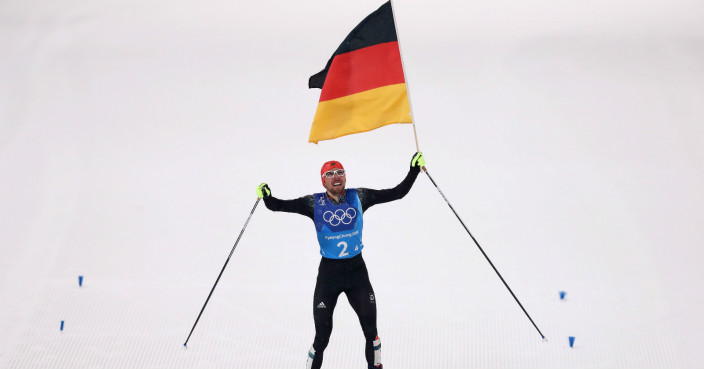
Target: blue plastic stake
80 281
62 326
562 295
571 341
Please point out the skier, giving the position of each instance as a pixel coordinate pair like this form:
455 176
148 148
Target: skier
337 214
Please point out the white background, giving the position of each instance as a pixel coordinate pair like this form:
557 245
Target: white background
568 135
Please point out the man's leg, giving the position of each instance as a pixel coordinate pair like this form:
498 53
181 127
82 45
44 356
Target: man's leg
363 301
324 301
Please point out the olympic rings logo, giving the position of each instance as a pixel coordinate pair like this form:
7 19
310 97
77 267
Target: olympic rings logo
339 216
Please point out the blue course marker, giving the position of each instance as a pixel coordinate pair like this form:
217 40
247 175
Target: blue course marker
571 341
80 281
62 326
562 295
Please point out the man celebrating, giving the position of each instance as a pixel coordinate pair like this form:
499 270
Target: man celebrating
337 214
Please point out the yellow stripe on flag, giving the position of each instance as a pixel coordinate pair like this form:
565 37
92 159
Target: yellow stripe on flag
361 112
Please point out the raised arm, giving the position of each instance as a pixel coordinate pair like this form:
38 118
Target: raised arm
302 205
370 197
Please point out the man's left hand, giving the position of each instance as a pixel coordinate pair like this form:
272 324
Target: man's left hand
418 160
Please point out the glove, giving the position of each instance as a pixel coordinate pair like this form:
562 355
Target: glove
263 190
418 160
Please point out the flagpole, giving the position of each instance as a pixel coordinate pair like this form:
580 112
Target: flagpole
408 87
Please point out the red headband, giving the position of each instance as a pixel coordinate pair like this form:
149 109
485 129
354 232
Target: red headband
332 164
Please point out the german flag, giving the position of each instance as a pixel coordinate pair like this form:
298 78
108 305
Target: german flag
363 87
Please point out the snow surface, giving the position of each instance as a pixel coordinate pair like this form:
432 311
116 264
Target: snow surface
568 135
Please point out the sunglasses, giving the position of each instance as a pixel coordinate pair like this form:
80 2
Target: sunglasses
331 173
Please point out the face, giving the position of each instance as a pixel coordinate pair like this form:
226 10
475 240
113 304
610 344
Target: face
335 185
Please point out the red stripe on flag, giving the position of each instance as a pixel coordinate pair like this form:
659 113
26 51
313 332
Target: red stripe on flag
363 69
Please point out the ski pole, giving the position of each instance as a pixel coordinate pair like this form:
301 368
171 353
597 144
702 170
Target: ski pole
223 269
484 253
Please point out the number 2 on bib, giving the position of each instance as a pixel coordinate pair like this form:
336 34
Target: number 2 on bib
344 248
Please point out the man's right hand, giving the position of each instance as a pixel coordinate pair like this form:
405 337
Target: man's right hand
263 190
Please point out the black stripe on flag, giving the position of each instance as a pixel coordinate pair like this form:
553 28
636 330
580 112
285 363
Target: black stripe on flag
378 27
